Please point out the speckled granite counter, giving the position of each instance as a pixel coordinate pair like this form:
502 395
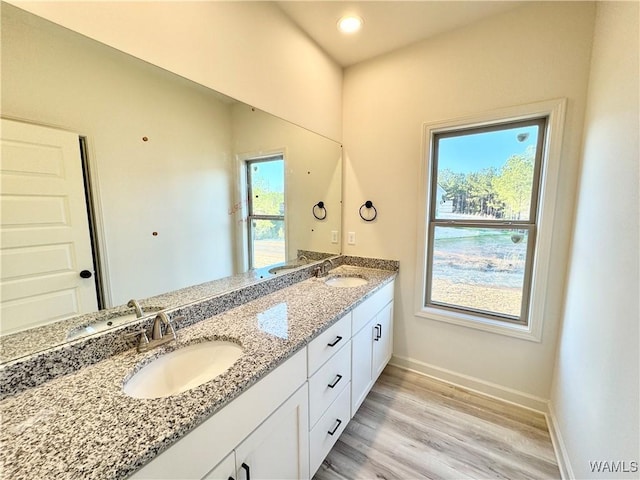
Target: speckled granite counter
44 337
81 425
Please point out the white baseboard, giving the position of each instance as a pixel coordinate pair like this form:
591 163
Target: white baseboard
558 445
494 390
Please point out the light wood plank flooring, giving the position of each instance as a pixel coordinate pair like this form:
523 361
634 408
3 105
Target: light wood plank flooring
411 426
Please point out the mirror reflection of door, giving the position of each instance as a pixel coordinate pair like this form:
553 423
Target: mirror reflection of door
266 207
47 269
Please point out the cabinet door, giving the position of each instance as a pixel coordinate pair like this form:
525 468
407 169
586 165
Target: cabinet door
279 448
361 357
225 470
382 340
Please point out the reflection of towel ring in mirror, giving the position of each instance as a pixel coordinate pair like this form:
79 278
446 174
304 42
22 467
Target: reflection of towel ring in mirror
322 212
368 205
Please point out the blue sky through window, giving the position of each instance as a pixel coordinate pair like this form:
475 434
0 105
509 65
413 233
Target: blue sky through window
472 153
270 175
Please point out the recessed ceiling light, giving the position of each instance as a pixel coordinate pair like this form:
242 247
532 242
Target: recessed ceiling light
350 24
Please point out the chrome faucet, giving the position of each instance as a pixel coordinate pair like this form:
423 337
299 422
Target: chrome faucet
303 259
324 268
134 303
159 335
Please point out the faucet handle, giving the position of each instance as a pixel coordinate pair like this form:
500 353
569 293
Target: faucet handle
169 329
143 341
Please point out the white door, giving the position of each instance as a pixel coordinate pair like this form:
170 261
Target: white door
44 230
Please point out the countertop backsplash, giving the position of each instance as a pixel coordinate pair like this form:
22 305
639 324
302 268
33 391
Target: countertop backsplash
187 306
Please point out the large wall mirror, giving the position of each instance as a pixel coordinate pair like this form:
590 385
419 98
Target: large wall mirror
168 161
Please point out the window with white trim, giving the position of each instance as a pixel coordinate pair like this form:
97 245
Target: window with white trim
266 211
485 198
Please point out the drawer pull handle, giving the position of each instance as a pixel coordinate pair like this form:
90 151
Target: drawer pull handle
335 382
335 429
338 338
246 468
378 332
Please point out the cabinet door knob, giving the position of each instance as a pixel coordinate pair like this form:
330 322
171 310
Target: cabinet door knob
335 382
247 469
335 429
85 274
335 342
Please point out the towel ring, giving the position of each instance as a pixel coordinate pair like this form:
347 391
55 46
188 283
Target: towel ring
319 207
368 205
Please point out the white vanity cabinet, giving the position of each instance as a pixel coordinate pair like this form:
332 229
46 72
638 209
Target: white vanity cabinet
225 470
279 448
329 389
273 410
372 343
284 426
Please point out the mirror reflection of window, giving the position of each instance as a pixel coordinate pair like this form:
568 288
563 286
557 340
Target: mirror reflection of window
266 207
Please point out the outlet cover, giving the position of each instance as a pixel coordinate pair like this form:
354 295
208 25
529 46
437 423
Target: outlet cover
334 236
351 238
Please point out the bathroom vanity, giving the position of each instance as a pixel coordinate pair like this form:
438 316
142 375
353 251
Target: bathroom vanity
311 351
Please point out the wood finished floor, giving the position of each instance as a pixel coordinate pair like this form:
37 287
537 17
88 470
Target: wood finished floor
412 427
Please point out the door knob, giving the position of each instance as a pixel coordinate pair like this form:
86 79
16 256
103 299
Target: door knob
85 274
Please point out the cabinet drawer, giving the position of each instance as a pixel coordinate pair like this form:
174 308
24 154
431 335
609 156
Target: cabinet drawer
326 432
328 343
328 382
368 309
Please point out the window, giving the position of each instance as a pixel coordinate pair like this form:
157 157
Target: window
482 223
266 210
489 189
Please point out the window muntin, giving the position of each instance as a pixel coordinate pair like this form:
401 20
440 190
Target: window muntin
482 219
266 211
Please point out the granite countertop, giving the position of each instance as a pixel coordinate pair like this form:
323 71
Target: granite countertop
82 425
40 338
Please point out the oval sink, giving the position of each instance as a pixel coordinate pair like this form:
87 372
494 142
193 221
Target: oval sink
346 281
100 326
284 268
106 323
183 369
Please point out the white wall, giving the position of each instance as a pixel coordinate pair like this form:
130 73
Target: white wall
168 184
537 52
248 50
595 399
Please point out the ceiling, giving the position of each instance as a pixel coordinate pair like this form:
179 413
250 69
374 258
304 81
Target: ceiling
388 25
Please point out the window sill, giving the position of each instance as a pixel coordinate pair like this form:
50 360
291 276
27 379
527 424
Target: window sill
524 332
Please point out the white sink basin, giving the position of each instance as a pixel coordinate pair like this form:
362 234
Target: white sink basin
183 369
347 281
284 268
100 326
